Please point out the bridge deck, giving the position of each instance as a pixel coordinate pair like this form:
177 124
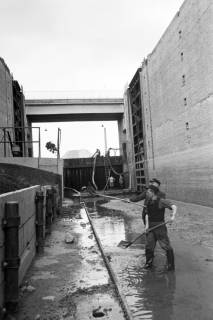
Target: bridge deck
74 109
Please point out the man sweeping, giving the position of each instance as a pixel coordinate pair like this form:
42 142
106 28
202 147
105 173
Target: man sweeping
142 196
155 212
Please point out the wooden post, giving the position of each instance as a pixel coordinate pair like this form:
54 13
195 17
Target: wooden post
54 201
76 200
40 223
49 211
11 262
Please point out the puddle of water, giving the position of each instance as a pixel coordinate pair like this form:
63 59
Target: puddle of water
102 302
91 269
149 294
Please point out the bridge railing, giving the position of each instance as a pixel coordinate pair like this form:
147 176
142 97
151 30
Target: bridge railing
73 94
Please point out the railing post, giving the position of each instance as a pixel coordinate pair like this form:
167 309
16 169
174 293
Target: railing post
11 222
40 221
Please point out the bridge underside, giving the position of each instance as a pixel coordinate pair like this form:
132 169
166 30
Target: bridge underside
64 110
74 110
74 117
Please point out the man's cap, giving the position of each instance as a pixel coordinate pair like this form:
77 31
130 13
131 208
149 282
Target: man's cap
155 180
154 189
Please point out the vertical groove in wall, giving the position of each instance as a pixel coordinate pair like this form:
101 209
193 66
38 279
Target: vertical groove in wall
150 116
146 171
133 184
138 130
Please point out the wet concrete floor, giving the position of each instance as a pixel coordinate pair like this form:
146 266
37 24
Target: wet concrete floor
70 280
156 294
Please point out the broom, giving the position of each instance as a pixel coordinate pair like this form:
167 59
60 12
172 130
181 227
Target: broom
126 244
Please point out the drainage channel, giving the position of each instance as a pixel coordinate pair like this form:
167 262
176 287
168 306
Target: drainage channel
121 297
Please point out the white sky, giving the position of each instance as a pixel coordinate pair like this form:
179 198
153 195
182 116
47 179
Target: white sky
67 48
78 135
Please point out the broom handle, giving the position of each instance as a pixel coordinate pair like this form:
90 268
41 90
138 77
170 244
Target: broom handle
153 228
125 200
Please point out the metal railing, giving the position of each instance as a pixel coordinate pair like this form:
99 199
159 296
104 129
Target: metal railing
19 140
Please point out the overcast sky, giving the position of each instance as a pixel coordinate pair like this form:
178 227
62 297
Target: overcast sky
88 47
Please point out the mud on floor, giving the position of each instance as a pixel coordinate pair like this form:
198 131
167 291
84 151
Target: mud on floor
69 280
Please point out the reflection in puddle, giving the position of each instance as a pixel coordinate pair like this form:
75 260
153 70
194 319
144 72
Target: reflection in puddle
149 294
152 291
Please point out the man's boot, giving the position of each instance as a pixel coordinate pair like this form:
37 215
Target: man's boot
170 260
149 259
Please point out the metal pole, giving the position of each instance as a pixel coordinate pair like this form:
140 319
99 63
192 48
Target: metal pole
58 142
39 146
58 147
105 140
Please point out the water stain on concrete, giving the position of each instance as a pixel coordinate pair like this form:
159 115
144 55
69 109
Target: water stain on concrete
45 261
43 275
49 298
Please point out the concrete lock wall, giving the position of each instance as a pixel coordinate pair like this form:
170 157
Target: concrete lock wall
6 102
27 238
34 214
15 177
48 164
177 96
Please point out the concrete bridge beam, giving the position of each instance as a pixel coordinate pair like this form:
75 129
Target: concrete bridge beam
74 110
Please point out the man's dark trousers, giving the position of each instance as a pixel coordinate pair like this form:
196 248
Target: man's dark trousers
160 235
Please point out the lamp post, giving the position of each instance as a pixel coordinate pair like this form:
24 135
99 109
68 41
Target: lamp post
58 147
105 140
58 143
